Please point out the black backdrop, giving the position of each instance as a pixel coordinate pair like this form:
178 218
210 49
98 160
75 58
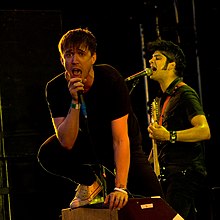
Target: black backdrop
29 58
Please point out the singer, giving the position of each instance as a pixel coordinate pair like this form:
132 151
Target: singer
102 153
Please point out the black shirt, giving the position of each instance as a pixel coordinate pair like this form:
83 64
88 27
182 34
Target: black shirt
107 100
183 105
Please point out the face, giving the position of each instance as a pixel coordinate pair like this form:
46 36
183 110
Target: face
158 64
78 62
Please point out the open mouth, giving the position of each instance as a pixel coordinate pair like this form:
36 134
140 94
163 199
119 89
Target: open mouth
154 68
77 72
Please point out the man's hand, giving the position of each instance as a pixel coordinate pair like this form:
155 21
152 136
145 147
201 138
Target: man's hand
116 200
158 132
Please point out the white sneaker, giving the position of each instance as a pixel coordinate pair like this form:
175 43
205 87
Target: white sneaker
85 194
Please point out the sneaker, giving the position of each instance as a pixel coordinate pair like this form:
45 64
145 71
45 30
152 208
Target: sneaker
85 194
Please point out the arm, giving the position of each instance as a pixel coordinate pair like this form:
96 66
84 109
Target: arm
67 128
121 145
198 132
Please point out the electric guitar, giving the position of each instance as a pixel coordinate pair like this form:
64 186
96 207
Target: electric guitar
156 165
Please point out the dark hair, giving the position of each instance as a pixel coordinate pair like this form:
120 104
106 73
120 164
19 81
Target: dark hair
77 37
172 51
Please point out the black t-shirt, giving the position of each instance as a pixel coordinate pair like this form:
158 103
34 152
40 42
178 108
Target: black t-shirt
184 104
107 100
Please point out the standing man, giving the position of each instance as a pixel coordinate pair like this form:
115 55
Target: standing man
180 129
94 125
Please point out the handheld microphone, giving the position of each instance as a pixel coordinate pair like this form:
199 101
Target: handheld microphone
147 71
83 104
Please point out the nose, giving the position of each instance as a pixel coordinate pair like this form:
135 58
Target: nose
74 58
151 60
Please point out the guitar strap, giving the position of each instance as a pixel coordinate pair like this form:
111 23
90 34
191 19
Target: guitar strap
163 109
167 100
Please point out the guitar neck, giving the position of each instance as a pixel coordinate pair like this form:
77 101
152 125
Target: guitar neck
155 158
154 145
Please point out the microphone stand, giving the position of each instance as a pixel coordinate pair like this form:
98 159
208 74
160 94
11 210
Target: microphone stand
145 77
4 179
134 84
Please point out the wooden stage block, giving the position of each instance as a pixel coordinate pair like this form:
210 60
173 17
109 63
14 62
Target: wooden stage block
89 214
151 208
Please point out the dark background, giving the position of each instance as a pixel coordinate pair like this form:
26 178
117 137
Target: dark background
29 34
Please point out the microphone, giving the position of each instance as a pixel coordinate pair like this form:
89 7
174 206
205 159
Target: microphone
147 71
83 104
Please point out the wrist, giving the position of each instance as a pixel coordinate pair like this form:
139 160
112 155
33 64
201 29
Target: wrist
123 190
120 185
75 105
173 137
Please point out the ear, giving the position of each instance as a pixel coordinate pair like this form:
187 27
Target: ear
172 66
61 60
94 57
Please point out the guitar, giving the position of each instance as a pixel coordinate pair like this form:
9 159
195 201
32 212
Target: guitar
156 165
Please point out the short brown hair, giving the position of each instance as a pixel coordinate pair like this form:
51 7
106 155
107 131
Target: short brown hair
77 37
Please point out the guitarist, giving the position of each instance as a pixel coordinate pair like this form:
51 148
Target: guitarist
180 131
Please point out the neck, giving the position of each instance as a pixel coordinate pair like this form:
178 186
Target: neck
89 80
165 83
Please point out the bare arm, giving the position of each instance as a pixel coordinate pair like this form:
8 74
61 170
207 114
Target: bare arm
121 145
198 132
67 128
